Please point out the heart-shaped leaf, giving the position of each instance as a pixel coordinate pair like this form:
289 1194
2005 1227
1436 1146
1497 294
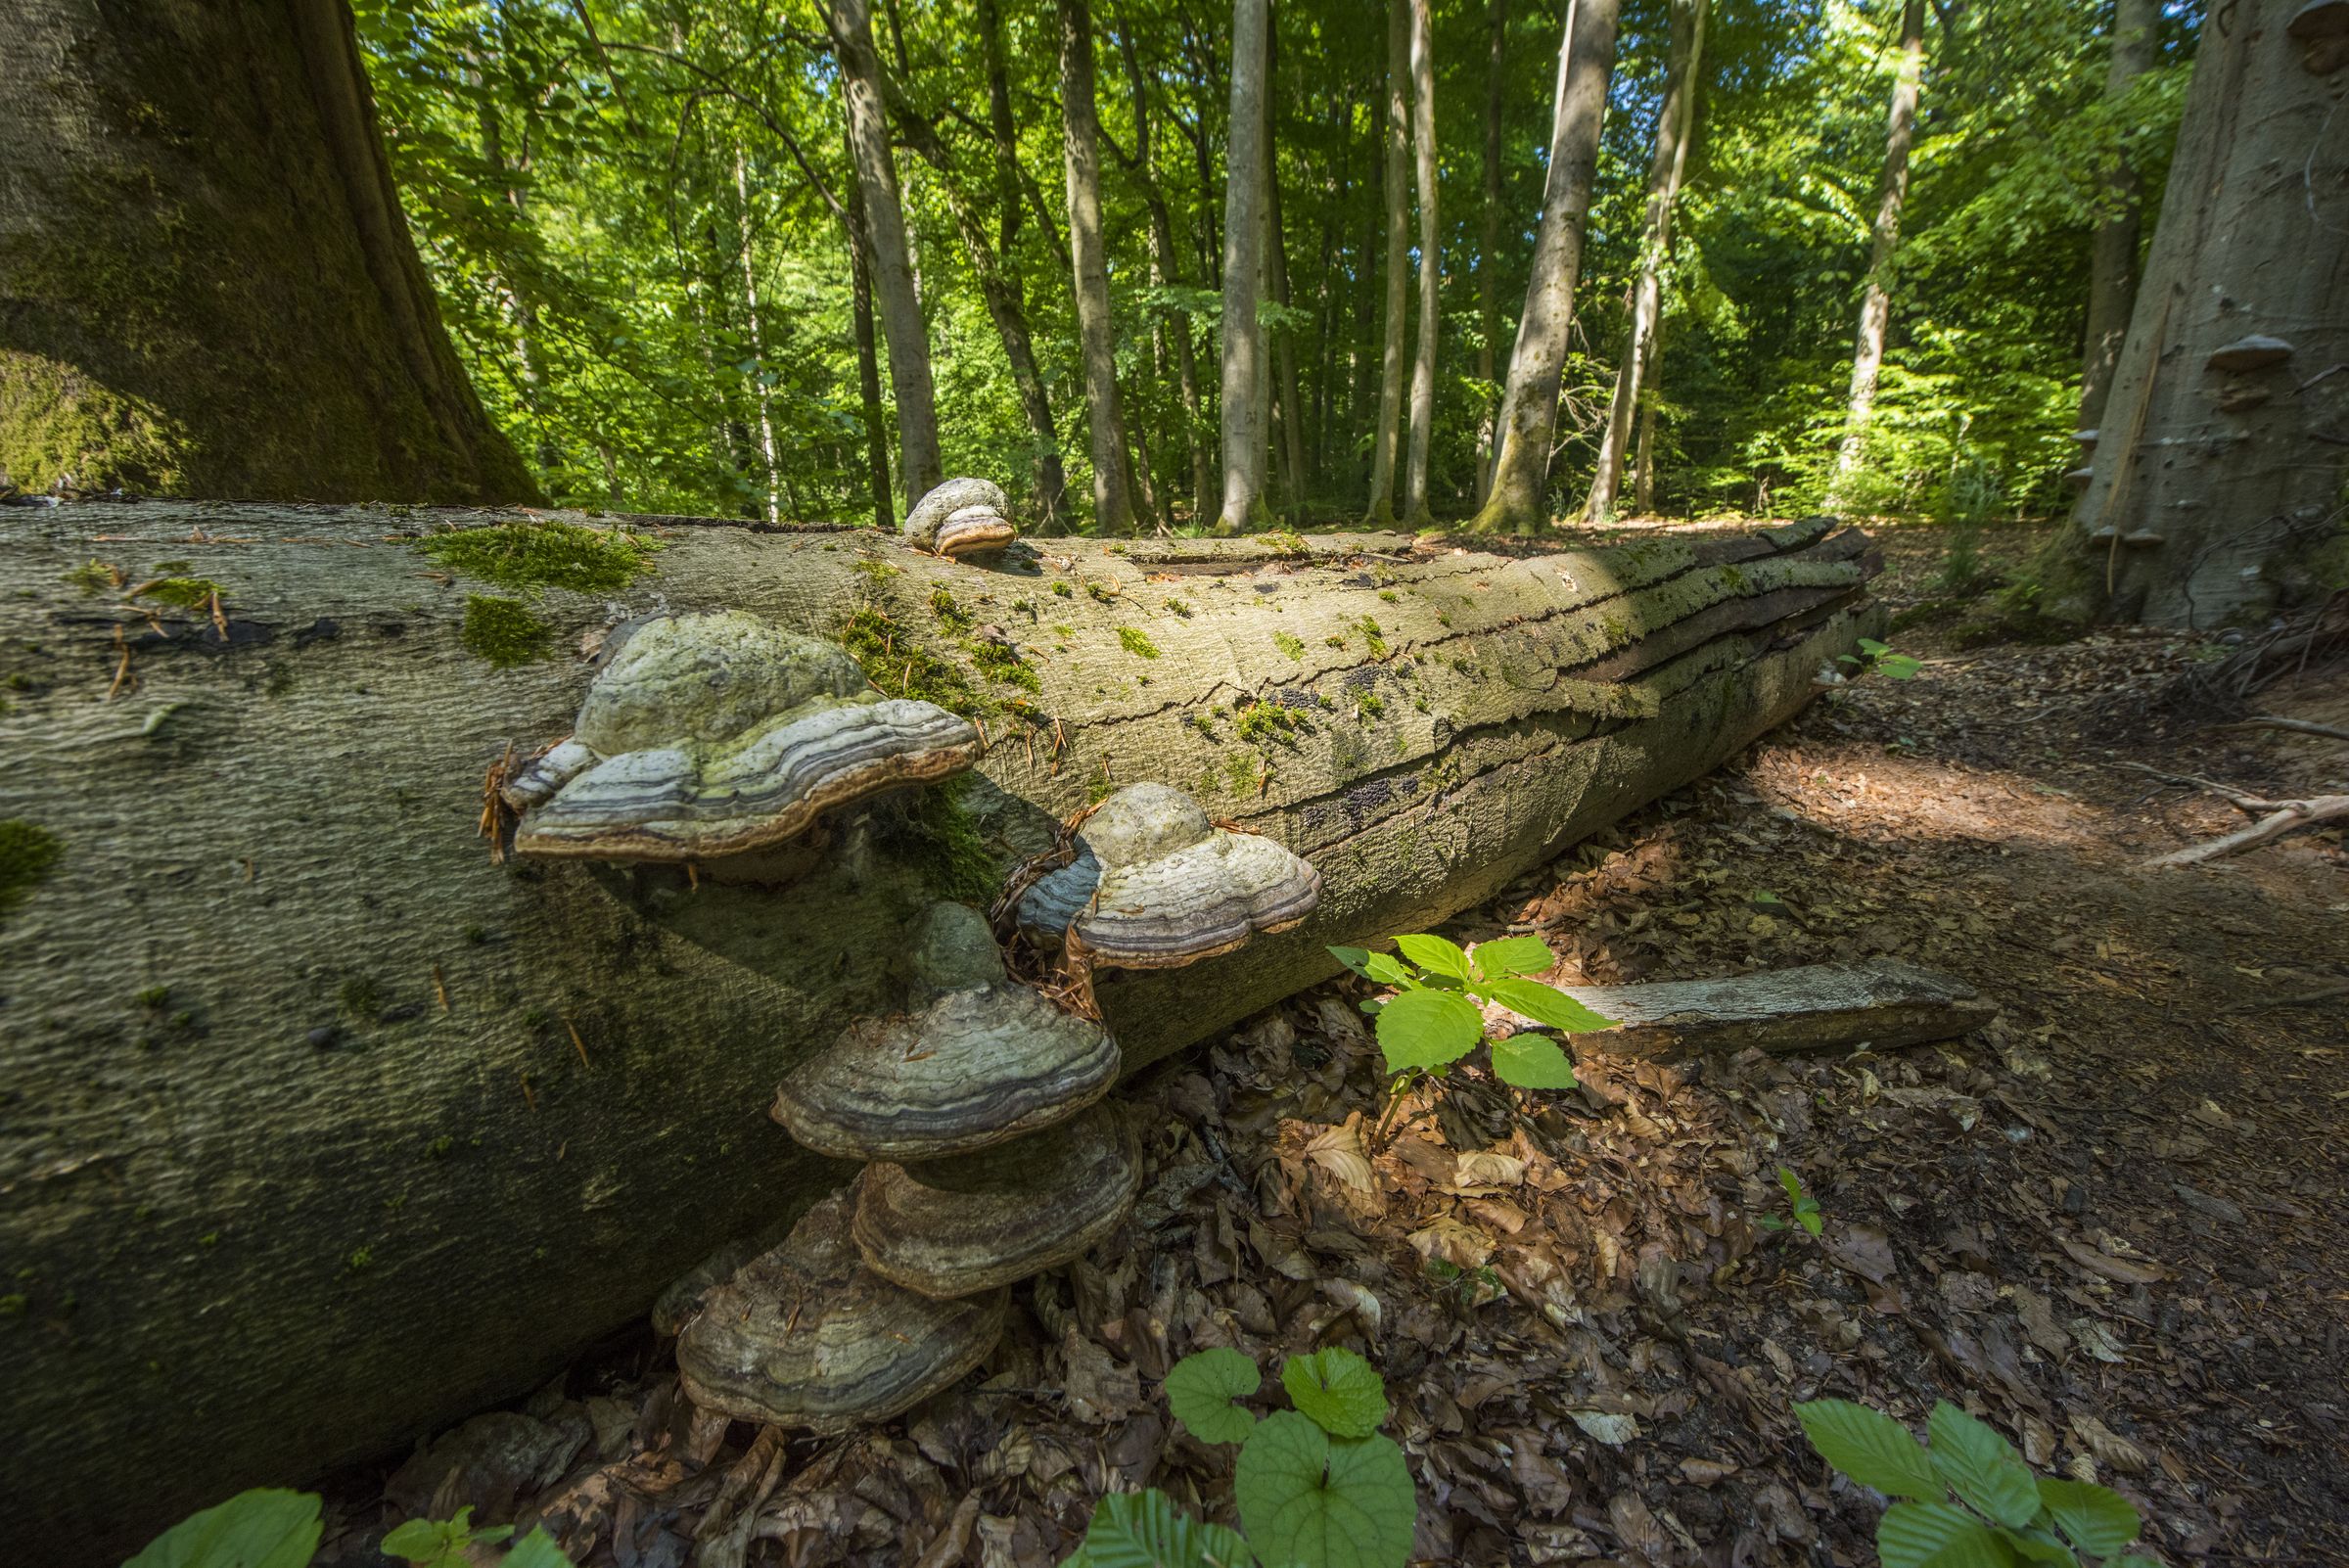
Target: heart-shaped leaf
259 1529
1532 1062
1436 955
1311 1501
1871 1448
1423 1029
1547 1004
1146 1530
1513 956
1337 1391
1981 1466
1201 1388
2096 1519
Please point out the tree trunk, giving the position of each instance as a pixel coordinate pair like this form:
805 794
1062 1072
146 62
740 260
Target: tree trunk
2217 487
1244 370
1488 296
902 324
207 284
1276 274
1096 331
1529 410
868 357
300 1078
761 388
1675 120
1643 467
1875 300
1397 198
1431 267
1170 274
2112 267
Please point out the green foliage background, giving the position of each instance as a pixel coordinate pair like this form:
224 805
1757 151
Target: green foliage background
626 206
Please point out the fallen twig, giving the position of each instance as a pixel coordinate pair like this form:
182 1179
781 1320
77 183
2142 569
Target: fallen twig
2301 725
2282 816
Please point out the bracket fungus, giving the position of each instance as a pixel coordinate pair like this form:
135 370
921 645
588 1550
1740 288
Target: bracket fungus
954 1228
982 1062
805 1336
1169 885
961 517
719 734
2255 353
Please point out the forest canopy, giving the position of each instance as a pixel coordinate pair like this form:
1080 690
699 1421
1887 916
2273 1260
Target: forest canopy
637 214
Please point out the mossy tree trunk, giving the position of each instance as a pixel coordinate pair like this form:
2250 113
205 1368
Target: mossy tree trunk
207 285
321 1128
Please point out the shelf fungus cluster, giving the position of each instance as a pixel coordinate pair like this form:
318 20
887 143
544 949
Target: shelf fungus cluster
990 1157
716 735
1156 884
961 517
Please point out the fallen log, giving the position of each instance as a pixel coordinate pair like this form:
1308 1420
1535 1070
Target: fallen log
1883 1005
320 1128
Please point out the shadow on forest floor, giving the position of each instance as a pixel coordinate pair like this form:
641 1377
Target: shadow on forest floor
2110 1221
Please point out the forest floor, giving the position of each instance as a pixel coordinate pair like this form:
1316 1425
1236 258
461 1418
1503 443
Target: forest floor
2110 1223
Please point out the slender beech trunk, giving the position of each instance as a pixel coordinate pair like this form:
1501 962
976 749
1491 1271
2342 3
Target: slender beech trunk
1284 345
1643 467
1488 294
1164 262
210 286
2216 494
382 1059
2112 267
1244 371
1397 261
1675 123
1096 331
868 354
1529 410
760 388
901 323
1876 300
1431 267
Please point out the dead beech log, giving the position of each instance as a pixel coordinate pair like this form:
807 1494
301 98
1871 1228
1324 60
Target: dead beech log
1816 1008
319 1129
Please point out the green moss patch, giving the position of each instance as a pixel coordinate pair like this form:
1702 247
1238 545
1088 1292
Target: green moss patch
528 556
939 837
1137 644
902 667
181 593
504 631
28 853
999 662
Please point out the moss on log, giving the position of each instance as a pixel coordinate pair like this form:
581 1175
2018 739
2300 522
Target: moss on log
320 1128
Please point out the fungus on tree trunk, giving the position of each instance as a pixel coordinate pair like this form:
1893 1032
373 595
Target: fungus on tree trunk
961 517
714 736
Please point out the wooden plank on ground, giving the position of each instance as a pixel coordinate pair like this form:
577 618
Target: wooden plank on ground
1883 1005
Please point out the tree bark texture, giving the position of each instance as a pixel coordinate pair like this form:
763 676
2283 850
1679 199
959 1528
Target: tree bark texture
207 284
2217 490
1096 330
323 1129
1676 122
1243 507
1529 410
2112 264
868 359
1431 266
1876 298
1398 197
902 325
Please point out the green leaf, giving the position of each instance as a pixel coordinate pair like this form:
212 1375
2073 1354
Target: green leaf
1337 1391
259 1529
1428 1029
1532 1062
538 1549
1791 1183
1871 1448
1513 956
1807 1214
1899 666
1201 1388
1307 1500
1936 1535
1547 1004
1873 648
1435 954
1388 970
1355 959
2039 1545
1981 1466
1145 1530
2096 1519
